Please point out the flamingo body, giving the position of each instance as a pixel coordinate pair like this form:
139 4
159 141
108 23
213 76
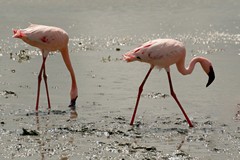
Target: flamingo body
160 52
163 53
47 39
43 37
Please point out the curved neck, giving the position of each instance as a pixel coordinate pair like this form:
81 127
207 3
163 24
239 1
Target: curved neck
66 58
181 65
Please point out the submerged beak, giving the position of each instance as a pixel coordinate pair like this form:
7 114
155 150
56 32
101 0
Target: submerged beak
73 104
211 76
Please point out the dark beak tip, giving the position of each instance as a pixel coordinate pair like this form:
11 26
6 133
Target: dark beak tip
211 76
73 103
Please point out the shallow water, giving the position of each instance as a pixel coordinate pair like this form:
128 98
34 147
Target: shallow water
100 32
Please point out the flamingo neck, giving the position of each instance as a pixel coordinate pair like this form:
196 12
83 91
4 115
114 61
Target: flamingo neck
66 58
190 68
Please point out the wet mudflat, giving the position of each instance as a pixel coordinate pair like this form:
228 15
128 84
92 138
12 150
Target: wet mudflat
105 105
99 34
51 136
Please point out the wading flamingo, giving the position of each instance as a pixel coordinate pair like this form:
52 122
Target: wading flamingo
47 39
162 53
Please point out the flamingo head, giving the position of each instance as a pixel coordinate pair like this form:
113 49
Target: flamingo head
211 75
72 106
73 95
207 67
73 103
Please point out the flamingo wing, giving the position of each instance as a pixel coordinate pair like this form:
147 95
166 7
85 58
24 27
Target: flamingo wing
38 33
44 37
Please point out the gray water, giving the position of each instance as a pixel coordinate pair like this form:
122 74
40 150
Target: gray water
108 86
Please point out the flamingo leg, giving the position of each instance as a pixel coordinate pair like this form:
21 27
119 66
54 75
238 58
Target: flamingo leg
176 99
139 94
46 85
39 82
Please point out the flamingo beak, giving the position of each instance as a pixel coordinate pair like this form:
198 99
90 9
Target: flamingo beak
73 104
211 76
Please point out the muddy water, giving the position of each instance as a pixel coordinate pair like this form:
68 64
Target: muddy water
100 33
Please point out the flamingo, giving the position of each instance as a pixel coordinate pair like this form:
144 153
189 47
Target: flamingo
47 39
163 53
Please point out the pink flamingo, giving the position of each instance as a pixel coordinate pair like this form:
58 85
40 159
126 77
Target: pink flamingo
162 53
47 39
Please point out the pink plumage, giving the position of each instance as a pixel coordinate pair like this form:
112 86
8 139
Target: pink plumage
163 53
43 37
47 39
160 52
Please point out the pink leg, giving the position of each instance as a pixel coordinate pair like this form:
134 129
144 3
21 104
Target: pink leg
139 94
176 99
46 85
39 82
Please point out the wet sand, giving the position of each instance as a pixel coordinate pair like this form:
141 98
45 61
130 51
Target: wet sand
108 89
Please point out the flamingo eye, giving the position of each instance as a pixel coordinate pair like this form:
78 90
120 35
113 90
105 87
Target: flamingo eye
138 57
